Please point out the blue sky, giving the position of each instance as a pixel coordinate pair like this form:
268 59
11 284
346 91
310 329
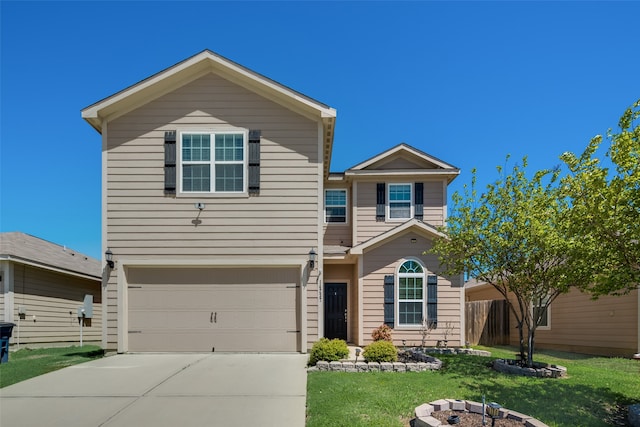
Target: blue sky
466 82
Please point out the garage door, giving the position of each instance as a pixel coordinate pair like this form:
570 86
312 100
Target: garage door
213 309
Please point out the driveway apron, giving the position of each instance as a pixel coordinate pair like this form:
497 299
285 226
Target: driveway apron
164 390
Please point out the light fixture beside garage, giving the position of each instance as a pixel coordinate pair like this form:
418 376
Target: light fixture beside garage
108 255
312 259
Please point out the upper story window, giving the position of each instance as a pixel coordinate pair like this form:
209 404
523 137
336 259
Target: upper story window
213 162
335 206
400 202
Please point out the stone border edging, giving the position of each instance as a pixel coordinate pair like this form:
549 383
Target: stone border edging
540 370
449 350
377 367
424 411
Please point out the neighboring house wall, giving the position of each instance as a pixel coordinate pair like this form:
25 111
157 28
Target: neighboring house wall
50 302
281 222
607 326
385 260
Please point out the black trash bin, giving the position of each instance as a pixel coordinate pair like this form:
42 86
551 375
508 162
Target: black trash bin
5 333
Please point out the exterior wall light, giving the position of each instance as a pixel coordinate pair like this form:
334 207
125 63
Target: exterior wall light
108 255
312 259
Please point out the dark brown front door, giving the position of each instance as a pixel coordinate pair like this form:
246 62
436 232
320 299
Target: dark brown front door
335 310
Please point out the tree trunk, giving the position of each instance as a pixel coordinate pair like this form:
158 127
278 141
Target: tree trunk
521 339
532 333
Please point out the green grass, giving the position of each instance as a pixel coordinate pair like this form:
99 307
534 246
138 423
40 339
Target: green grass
592 395
26 363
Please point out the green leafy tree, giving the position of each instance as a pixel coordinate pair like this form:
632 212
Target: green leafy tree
512 237
605 207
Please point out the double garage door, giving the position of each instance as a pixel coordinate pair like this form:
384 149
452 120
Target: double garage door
213 309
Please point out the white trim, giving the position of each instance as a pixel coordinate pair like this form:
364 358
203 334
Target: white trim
212 132
48 267
360 340
404 172
104 236
346 206
6 269
320 235
399 148
411 202
463 321
396 296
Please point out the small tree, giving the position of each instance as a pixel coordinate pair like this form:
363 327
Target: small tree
512 237
425 330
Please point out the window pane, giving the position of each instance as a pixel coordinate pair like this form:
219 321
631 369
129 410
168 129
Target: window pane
544 321
336 214
399 210
410 288
229 147
410 313
410 267
335 198
196 147
229 177
196 178
400 192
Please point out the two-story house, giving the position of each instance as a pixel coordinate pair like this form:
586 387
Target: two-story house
229 233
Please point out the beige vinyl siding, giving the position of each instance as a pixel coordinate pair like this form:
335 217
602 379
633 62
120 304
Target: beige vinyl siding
144 223
368 227
53 298
607 326
338 234
384 260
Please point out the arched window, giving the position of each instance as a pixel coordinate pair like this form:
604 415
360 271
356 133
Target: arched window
410 293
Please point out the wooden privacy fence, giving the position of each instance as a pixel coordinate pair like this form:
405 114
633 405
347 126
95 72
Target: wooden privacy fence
487 322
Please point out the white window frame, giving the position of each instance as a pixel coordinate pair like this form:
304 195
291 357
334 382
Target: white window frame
546 327
346 206
411 201
212 162
423 276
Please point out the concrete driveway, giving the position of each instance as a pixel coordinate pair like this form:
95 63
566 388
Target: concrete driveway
163 390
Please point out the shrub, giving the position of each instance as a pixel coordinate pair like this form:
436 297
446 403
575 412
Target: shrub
380 351
328 350
382 333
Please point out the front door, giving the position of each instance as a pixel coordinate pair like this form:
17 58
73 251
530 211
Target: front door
335 310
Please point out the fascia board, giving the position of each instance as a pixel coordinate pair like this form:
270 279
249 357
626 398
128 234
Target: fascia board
399 148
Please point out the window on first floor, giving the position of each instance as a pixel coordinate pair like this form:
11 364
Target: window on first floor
542 311
212 162
335 206
415 298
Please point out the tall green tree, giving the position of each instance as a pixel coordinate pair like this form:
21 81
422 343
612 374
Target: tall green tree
605 207
512 237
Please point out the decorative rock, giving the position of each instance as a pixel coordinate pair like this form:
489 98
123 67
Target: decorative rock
456 405
634 415
513 415
474 407
362 367
422 366
349 367
534 423
322 366
427 422
374 366
412 367
386 366
399 367
424 410
440 405
336 366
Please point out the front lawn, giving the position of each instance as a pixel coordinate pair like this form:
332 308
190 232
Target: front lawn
26 363
594 393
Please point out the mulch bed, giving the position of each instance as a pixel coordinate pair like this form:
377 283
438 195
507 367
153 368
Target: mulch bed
468 419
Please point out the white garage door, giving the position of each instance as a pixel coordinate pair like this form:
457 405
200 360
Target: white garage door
213 309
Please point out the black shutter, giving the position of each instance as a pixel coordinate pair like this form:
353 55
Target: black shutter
388 301
254 162
170 162
418 196
432 300
380 202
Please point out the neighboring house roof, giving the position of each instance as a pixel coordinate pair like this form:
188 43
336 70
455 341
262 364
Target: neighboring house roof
411 225
24 248
415 162
197 66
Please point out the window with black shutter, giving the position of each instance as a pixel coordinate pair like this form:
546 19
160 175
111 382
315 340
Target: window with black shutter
432 300
254 162
418 195
170 162
380 201
389 318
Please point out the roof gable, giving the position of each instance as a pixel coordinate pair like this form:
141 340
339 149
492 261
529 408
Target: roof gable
404 159
199 65
414 225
